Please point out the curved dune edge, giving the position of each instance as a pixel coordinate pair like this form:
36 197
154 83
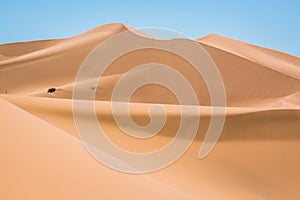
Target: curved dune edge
35 152
41 155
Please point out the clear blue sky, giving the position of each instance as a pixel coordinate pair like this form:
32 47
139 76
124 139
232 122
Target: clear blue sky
274 24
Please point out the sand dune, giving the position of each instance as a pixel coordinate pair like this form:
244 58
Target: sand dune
256 156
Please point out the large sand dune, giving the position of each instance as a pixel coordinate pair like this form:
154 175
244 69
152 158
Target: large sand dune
42 158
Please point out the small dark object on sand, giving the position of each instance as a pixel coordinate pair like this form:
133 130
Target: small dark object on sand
51 90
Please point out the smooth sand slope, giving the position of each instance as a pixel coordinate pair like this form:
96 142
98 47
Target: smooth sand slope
42 158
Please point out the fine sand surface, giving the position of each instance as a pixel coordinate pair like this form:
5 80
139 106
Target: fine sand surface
41 156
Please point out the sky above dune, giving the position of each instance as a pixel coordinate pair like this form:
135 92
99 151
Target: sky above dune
274 24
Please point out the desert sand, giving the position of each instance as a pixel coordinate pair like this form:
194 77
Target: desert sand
256 157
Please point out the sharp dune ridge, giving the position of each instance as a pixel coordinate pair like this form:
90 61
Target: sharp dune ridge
256 156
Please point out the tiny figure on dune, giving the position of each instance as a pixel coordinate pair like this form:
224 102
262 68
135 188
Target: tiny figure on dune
51 90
